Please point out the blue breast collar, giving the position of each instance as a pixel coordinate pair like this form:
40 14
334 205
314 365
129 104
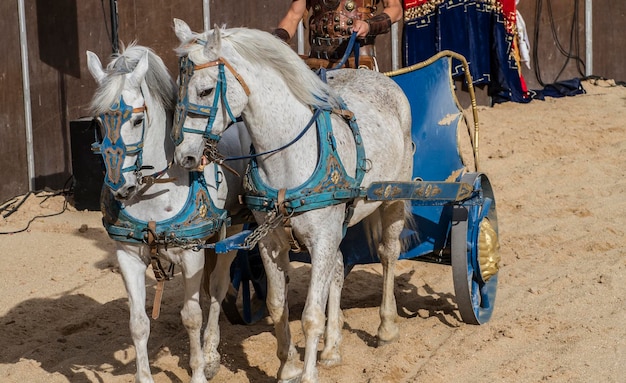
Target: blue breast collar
198 219
328 185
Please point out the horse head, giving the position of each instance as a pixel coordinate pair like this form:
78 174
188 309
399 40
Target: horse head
211 94
126 108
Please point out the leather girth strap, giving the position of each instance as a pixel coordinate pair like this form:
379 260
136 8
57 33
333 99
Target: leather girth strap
293 242
159 273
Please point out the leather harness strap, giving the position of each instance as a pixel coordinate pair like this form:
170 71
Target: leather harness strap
293 242
159 273
232 70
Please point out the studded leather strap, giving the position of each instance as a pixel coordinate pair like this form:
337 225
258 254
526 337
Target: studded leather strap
379 24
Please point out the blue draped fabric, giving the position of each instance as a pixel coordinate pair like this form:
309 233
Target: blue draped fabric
478 30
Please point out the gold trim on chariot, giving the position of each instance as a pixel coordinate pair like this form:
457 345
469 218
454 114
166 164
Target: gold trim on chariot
488 250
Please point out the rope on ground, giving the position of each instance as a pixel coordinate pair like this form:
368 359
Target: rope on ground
13 204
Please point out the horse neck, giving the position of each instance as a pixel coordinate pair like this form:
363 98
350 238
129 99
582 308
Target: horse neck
274 119
158 150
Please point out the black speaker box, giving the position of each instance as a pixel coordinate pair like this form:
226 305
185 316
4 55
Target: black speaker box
87 167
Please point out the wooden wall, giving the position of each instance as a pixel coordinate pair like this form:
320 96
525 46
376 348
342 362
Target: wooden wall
60 31
563 16
13 170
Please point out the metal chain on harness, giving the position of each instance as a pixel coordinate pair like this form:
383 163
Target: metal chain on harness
165 242
211 152
159 272
271 223
213 155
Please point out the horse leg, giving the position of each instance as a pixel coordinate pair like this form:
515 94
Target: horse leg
192 266
276 264
331 355
133 271
389 251
218 282
323 265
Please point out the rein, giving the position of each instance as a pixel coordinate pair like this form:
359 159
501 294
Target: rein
353 47
298 137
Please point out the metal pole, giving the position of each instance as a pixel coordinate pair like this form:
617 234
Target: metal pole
588 38
206 14
26 88
300 34
114 25
395 41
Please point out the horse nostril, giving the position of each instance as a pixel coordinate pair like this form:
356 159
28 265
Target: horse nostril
190 162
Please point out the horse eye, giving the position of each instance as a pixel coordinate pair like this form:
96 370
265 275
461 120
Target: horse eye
205 92
138 122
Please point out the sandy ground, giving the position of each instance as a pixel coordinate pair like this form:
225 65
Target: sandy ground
557 167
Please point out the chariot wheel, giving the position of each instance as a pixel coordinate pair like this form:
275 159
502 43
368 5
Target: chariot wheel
475 252
245 300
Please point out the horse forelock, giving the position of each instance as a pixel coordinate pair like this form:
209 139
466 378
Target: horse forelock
263 49
158 79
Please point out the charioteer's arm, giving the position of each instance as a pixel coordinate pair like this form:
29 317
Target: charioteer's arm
289 24
377 25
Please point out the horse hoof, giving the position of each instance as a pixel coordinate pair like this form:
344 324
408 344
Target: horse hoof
295 379
330 361
384 342
211 371
198 379
212 366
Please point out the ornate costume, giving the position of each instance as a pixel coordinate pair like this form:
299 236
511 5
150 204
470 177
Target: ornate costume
330 27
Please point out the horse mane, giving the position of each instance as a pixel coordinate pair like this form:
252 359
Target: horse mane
266 50
158 79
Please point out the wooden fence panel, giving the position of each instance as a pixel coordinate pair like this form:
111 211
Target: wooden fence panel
558 30
59 32
14 171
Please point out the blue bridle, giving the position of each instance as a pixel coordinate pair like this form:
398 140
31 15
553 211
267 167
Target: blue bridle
112 147
183 106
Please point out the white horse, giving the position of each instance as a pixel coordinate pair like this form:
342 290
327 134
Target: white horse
232 72
163 214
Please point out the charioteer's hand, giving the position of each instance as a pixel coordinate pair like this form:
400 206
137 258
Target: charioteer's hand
377 25
361 28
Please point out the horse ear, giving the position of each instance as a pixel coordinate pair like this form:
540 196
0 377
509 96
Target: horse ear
95 67
140 71
182 30
214 42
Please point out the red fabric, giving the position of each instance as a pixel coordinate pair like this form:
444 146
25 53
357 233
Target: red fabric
414 3
508 11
